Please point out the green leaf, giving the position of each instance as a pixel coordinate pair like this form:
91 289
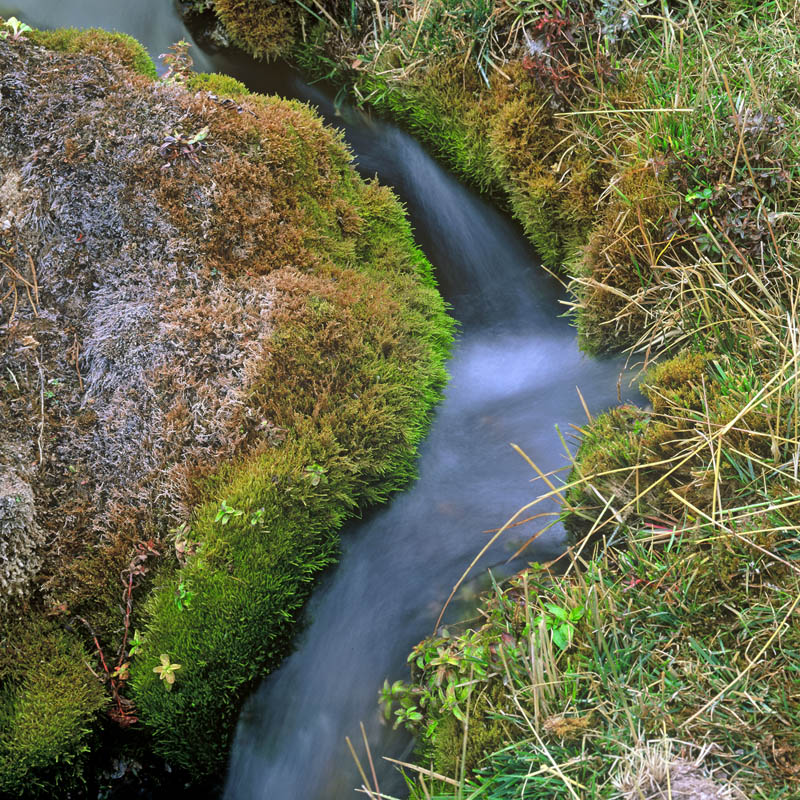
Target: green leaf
559 639
560 613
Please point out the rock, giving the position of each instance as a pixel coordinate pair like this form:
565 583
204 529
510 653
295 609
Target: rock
20 536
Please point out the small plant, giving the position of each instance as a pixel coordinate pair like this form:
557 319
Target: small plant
258 517
180 144
122 672
183 597
226 513
399 693
561 623
136 644
17 29
166 671
178 61
315 474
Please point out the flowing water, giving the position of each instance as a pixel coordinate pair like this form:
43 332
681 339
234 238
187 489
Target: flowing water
514 372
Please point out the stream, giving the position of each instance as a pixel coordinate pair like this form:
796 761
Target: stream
514 372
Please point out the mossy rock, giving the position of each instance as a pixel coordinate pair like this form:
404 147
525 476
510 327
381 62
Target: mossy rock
314 337
106 45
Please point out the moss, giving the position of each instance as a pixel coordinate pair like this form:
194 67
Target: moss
620 261
216 83
316 417
487 732
350 372
266 30
48 702
681 383
96 42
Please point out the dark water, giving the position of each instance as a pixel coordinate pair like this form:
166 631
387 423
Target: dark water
514 373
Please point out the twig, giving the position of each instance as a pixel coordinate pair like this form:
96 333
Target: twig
41 397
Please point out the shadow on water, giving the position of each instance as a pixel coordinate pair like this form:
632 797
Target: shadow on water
513 376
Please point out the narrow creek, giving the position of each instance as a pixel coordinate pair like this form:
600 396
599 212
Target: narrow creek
514 372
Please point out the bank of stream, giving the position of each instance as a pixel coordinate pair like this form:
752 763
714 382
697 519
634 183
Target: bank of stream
514 373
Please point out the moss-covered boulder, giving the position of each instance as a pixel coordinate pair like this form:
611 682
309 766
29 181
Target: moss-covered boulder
218 343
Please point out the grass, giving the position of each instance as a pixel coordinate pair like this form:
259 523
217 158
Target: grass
652 160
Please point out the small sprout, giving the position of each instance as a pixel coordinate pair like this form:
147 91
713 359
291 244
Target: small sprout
122 672
258 517
226 513
136 644
183 597
315 474
17 28
166 671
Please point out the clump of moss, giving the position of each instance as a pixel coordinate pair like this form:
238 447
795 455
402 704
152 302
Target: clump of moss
109 46
49 703
266 30
620 263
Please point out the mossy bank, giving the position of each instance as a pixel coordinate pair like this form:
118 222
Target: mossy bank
650 152
218 343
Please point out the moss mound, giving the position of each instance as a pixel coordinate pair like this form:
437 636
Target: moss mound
218 344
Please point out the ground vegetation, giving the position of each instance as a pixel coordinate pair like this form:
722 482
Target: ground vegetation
649 150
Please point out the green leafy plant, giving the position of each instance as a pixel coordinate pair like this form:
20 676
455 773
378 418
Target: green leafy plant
315 474
183 597
226 513
136 643
166 671
17 29
257 517
561 623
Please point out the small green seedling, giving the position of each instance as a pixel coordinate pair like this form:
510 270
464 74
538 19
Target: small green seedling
17 29
136 644
183 597
226 513
315 474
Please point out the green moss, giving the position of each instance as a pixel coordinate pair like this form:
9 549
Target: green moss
48 703
353 366
681 382
216 83
97 42
611 442
487 733
266 30
359 336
